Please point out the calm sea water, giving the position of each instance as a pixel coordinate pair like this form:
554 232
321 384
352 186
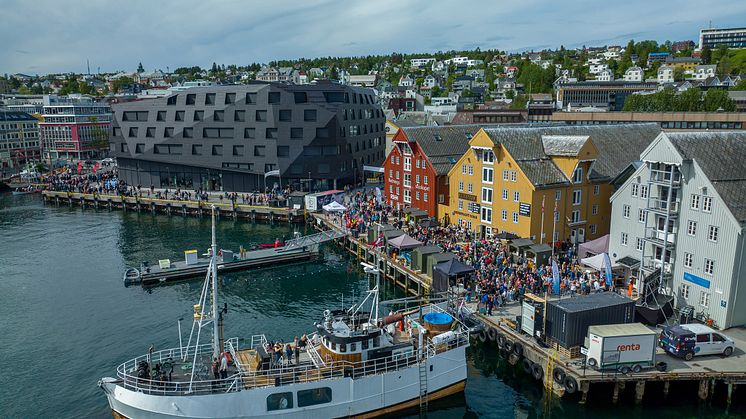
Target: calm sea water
66 319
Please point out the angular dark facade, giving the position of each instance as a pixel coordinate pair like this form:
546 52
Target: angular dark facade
228 137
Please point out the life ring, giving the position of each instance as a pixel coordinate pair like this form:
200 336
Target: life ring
559 375
571 386
509 346
492 333
537 371
482 336
500 340
527 364
518 348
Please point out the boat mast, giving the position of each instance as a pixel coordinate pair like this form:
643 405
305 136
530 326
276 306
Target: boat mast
215 327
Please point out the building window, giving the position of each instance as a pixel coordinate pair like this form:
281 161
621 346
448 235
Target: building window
309 115
199 115
712 234
460 205
139 148
596 189
133 132
593 228
191 99
217 150
624 239
556 215
261 116
594 209
417 195
577 175
694 202
463 169
640 244
625 211
488 157
297 133
150 132
407 180
259 151
460 185
218 116
171 100
417 179
279 401
505 194
575 216
250 98
487 174
709 266
641 215
516 196
486 215
685 289
577 196
168 132
238 150
286 115
210 99
513 176
230 98
635 190
643 191
704 299
188 132
314 396
470 170
706 204
691 228
557 195
688 260
505 215
300 97
407 196
506 175
271 133
273 97
487 195
470 188
407 164
179 116
515 218
249 133
425 179
239 115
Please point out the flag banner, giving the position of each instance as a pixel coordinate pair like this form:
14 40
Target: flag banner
555 277
607 267
272 173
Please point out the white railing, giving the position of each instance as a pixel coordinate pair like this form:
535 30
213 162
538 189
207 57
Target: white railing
315 357
664 176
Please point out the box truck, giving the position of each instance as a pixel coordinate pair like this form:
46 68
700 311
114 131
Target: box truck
625 347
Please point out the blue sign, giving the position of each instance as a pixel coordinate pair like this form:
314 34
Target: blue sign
694 279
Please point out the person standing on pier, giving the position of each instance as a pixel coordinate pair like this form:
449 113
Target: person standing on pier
296 350
223 367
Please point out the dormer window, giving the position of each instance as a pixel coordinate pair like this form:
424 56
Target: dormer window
577 176
488 157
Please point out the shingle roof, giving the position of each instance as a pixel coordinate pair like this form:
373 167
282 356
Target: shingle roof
563 145
618 146
721 155
442 145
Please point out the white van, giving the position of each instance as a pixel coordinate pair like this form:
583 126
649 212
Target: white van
709 341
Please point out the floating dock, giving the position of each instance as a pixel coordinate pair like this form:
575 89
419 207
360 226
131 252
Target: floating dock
174 207
301 249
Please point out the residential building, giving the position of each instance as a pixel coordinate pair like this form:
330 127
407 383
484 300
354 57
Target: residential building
680 46
19 140
598 68
228 137
731 38
685 63
421 62
74 126
633 73
602 94
680 217
704 72
430 81
665 74
367 80
406 81
605 75
548 184
416 168
668 121
657 57
738 96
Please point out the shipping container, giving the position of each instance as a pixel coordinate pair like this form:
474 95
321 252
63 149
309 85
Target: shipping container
532 315
375 230
420 254
568 319
621 346
315 201
435 258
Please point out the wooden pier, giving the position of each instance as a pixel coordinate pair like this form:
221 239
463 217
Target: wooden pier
412 282
174 207
704 377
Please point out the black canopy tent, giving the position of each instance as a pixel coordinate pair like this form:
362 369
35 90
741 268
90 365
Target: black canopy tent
448 272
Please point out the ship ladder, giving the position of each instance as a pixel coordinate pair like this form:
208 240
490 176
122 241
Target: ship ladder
549 379
423 388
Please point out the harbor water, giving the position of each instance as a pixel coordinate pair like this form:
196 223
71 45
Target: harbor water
66 319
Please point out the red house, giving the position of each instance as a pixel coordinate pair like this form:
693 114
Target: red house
416 169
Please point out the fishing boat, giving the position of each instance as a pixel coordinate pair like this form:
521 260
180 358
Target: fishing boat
355 364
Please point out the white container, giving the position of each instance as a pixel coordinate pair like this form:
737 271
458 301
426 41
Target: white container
444 337
190 257
621 346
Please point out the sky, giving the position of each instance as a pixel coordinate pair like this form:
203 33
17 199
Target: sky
46 36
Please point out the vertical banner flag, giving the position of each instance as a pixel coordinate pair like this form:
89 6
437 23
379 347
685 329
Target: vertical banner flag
555 277
607 266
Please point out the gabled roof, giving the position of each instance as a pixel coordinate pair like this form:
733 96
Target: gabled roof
721 156
617 145
443 146
563 145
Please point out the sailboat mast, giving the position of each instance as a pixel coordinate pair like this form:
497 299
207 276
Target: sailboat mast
214 265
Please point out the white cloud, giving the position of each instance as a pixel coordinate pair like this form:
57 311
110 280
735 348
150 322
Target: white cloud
114 35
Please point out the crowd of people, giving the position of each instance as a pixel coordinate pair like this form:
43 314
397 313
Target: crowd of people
501 276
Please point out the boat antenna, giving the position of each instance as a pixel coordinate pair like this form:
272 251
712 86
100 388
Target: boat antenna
214 274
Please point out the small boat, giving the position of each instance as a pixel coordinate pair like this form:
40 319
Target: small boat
131 276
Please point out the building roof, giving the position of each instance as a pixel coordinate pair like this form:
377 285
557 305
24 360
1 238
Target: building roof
16 116
721 156
443 146
563 145
618 146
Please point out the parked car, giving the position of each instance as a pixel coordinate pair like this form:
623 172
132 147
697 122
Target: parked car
690 340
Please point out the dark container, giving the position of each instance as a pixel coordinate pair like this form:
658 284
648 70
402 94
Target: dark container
568 319
375 230
434 259
420 254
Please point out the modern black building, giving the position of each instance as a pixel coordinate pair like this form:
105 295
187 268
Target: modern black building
233 137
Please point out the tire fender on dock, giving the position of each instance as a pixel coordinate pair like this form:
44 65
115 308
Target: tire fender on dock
482 336
571 386
559 375
509 346
518 349
537 371
500 340
527 364
492 334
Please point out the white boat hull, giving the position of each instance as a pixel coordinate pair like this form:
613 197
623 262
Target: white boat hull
367 396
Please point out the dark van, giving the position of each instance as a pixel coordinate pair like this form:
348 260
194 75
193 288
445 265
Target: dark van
678 341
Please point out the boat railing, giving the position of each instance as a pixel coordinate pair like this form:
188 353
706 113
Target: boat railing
258 340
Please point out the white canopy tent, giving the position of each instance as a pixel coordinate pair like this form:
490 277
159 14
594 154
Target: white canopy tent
596 262
334 206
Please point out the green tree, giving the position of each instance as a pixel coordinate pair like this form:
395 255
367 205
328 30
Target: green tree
690 100
706 54
741 85
510 94
519 102
100 136
678 74
117 84
717 99
534 78
436 91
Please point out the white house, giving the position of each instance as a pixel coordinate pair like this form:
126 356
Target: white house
665 74
457 60
597 68
633 74
605 75
702 72
678 221
438 66
611 55
421 62
429 81
438 101
474 63
406 81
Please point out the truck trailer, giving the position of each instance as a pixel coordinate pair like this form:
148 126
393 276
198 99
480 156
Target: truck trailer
625 347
